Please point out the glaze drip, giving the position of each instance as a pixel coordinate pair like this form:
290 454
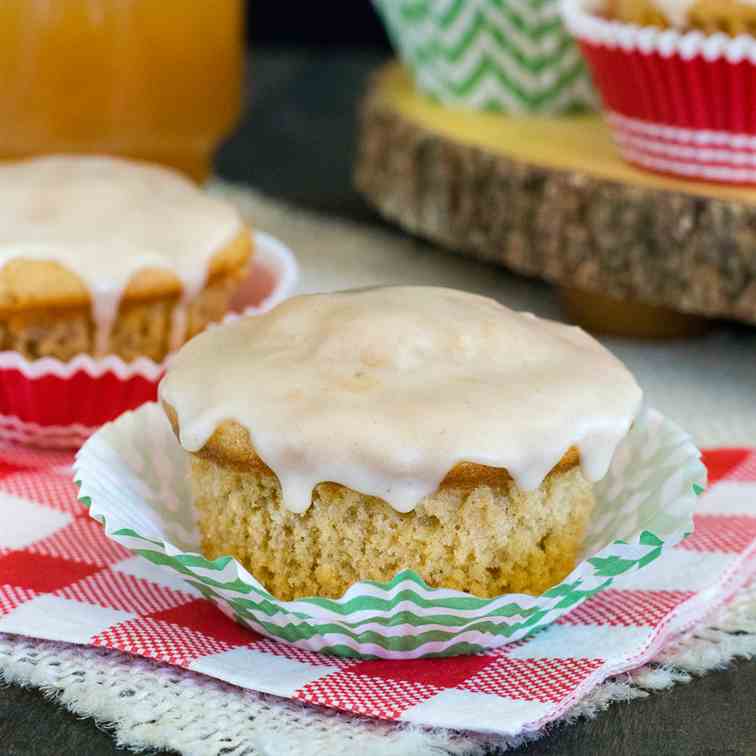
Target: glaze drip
385 390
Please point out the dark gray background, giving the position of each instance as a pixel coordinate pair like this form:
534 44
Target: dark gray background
348 24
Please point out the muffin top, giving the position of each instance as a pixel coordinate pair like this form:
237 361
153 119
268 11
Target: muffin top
78 230
386 390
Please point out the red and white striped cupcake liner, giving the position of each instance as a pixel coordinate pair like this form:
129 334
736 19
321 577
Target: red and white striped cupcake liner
51 403
682 104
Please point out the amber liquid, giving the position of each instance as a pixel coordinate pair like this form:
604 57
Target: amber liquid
157 80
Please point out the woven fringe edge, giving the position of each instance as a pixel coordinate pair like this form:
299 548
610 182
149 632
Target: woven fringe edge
149 705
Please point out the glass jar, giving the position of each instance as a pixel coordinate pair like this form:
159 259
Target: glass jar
156 80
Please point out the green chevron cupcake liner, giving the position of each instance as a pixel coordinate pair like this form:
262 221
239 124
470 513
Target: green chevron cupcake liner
513 56
133 476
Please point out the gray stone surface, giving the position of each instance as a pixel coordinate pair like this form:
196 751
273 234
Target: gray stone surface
32 725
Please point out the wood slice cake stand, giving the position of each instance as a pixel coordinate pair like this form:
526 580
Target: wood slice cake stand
634 253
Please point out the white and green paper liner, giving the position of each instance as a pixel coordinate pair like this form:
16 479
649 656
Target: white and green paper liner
133 476
513 56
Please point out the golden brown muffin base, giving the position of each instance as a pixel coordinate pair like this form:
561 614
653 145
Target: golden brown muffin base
483 539
56 321
708 16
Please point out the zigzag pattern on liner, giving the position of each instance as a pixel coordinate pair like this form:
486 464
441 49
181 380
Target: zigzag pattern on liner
512 55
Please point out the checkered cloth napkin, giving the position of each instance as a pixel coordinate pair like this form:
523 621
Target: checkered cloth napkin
62 579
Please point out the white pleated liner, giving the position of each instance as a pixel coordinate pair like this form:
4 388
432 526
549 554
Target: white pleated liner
134 475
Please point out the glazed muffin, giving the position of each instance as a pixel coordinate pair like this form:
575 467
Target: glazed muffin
104 256
708 16
349 436
677 83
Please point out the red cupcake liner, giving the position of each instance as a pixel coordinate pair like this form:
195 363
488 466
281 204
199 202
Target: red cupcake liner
677 103
54 403
51 403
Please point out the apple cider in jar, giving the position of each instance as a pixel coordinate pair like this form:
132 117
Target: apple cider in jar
157 80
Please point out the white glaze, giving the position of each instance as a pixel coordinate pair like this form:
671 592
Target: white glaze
105 219
385 390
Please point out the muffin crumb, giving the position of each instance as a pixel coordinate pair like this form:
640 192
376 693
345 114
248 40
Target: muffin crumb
479 539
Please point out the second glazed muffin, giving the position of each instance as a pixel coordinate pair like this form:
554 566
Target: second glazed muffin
350 436
105 256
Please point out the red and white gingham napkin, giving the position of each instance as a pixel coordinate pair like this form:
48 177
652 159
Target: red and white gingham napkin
62 579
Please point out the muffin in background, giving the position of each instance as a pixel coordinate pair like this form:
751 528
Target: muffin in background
54 319
106 267
678 88
97 254
509 56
